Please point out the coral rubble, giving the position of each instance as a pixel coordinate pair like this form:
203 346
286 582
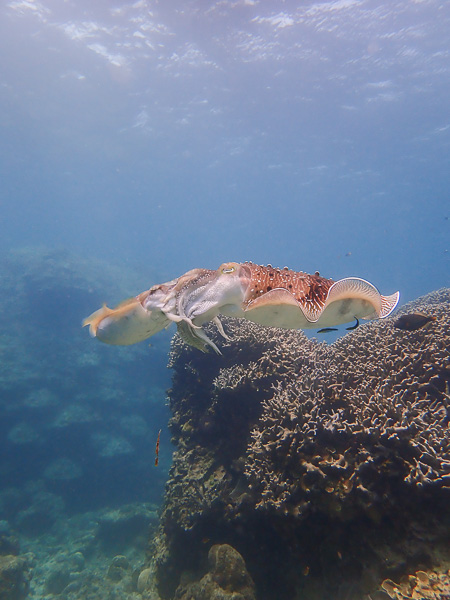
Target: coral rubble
321 465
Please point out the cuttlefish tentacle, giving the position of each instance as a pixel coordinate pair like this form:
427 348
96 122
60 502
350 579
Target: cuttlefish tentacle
264 295
188 301
199 298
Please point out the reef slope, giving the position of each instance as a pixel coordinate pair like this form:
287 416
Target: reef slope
326 467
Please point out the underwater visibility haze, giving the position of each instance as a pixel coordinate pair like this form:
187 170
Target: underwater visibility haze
143 139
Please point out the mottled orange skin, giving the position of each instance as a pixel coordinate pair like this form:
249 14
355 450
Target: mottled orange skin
308 290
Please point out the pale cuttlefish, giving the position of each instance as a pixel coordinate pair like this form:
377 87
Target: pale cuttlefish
265 295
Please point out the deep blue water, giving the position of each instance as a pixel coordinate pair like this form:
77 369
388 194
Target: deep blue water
163 136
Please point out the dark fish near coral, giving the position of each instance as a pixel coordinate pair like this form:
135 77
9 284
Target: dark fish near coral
353 326
413 321
327 330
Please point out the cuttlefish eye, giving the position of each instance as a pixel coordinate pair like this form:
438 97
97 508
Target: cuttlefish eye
227 268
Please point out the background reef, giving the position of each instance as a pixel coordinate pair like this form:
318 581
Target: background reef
327 468
301 470
78 426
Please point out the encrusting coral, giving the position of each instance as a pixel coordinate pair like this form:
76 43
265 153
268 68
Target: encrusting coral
308 453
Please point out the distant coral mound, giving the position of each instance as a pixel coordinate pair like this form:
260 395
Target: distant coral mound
310 459
76 418
226 579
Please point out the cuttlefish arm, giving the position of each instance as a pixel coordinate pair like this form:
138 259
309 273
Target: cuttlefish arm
198 297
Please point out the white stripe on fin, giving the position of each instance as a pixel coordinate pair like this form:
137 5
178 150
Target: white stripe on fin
388 304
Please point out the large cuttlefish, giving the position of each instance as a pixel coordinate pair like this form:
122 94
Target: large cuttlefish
264 295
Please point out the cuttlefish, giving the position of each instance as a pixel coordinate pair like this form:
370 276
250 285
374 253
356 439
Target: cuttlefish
263 294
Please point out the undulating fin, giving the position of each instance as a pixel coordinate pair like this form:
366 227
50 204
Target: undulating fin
344 301
276 308
358 297
388 304
355 288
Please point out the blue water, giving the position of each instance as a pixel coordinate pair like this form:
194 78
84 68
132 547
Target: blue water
163 136
175 135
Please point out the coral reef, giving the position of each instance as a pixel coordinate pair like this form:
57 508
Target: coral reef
75 415
308 459
15 573
420 585
226 579
361 417
78 424
78 561
14 578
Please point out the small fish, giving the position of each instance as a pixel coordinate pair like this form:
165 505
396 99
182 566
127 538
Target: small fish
157 449
353 326
327 330
413 321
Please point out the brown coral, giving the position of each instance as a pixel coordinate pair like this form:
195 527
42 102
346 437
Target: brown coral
14 577
282 441
365 415
227 578
419 586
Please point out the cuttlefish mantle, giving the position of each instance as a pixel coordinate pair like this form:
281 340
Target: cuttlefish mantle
263 294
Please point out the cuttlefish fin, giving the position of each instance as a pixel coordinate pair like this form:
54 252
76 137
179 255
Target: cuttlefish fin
121 309
362 296
276 308
276 297
388 304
